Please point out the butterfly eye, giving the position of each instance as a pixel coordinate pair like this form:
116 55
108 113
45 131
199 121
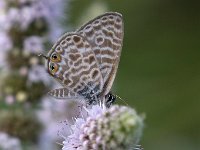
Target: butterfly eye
53 68
55 57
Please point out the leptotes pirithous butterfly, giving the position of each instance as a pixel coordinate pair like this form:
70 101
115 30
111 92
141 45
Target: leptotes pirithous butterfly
85 62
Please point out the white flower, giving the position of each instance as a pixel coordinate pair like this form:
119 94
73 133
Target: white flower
9 143
34 44
117 127
21 96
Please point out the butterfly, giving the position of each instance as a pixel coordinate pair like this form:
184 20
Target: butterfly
85 62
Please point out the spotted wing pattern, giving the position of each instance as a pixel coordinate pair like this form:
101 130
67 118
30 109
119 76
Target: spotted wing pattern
63 93
105 35
73 63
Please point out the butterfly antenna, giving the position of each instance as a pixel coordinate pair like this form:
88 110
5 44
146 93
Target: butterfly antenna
42 55
122 99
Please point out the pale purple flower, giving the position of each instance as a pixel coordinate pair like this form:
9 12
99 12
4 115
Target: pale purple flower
51 10
54 14
2 4
5 42
13 16
117 127
34 44
38 74
23 71
3 17
27 15
20 17
40 9
4 24
9 143
9 99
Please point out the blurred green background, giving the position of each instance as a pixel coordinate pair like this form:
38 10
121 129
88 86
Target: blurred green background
159 72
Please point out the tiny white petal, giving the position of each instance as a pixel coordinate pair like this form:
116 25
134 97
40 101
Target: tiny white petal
86 144
92 136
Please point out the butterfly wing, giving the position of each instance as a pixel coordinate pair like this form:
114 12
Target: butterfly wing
73 63
105 34
63 93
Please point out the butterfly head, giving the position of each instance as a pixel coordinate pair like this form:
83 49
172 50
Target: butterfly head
109 99
52 61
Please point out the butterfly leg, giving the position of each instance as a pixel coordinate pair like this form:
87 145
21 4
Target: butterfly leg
110 99
138 147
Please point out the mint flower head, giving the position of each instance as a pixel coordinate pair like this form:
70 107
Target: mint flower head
117 127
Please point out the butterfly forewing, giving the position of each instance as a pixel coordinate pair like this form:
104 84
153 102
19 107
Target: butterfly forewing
77 68
105 35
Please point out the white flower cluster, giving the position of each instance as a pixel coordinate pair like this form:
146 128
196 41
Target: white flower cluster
117 127
20 14
11 15
9 143
30 10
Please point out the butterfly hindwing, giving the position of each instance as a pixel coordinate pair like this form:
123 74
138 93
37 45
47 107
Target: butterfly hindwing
63 93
